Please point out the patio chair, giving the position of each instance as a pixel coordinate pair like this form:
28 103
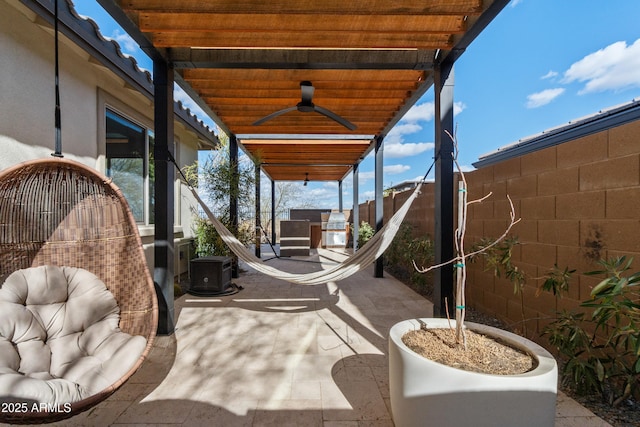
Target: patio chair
66 228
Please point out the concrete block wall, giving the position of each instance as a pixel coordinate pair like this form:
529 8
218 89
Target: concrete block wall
420 216
578 202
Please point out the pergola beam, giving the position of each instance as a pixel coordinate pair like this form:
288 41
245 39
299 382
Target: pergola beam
413 59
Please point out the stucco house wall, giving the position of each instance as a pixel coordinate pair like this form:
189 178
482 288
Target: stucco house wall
87 88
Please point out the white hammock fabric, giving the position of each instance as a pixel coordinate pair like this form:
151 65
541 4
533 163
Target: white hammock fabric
356 262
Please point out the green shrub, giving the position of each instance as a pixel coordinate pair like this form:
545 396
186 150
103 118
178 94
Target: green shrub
209 243
602 349
422 254
404 251
398 251
365 232
499 258
401 254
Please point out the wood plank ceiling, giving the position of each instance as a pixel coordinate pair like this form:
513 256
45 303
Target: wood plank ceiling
368 60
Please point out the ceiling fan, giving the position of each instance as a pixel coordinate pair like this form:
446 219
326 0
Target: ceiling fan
306 105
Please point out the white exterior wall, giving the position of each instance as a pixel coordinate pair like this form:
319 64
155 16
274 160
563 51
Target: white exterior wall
27 96
27 105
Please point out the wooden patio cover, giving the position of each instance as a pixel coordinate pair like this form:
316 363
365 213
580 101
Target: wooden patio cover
241 60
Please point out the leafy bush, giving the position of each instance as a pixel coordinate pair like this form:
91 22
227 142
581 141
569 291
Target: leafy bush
365 232
602 350
422 252
404 250
499 258
600 345
394 256
208 242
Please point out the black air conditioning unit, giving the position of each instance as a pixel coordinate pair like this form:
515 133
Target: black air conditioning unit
210 275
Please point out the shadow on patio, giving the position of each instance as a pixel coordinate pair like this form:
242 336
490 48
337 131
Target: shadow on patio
275 354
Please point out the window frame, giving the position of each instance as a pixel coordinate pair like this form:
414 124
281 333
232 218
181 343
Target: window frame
109 103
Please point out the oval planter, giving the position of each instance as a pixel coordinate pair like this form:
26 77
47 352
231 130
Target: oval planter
424 392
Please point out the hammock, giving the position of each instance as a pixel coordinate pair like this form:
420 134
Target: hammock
367 254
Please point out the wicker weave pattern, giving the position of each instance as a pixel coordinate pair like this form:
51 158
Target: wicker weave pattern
59 212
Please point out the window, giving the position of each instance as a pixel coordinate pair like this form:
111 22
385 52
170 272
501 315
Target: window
129 156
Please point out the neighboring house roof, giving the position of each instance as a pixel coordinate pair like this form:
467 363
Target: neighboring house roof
406 185
602 120
86 33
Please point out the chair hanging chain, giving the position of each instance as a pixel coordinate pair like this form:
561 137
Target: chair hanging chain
58 123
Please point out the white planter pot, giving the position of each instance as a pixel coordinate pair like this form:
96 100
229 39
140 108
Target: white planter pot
427 393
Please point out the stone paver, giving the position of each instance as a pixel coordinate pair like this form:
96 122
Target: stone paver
278 354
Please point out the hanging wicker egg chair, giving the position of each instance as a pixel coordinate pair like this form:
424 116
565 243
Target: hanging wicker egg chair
62 214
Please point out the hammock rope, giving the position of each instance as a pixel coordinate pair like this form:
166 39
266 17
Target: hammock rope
366 255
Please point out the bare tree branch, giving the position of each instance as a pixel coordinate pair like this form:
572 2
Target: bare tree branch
461 256
512 222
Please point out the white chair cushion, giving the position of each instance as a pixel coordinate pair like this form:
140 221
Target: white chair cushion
59 336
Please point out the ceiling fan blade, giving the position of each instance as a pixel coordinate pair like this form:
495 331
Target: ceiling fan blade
273 115
344 122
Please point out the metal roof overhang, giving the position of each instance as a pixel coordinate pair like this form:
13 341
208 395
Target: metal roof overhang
241 60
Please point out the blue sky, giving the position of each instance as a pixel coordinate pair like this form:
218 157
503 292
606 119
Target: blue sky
539 64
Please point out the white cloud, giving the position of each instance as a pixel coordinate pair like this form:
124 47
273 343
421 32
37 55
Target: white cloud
397 150
386 170
544 97
396 135
616 67
333 185
420 112
514 3
365 176
551 74
427 110
366 195
320 193
395 169
322 197
405 129
395 147
459 107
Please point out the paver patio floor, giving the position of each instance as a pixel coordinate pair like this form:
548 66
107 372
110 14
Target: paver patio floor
278 354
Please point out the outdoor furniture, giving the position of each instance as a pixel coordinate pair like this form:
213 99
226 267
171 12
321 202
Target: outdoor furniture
294 238
64 215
